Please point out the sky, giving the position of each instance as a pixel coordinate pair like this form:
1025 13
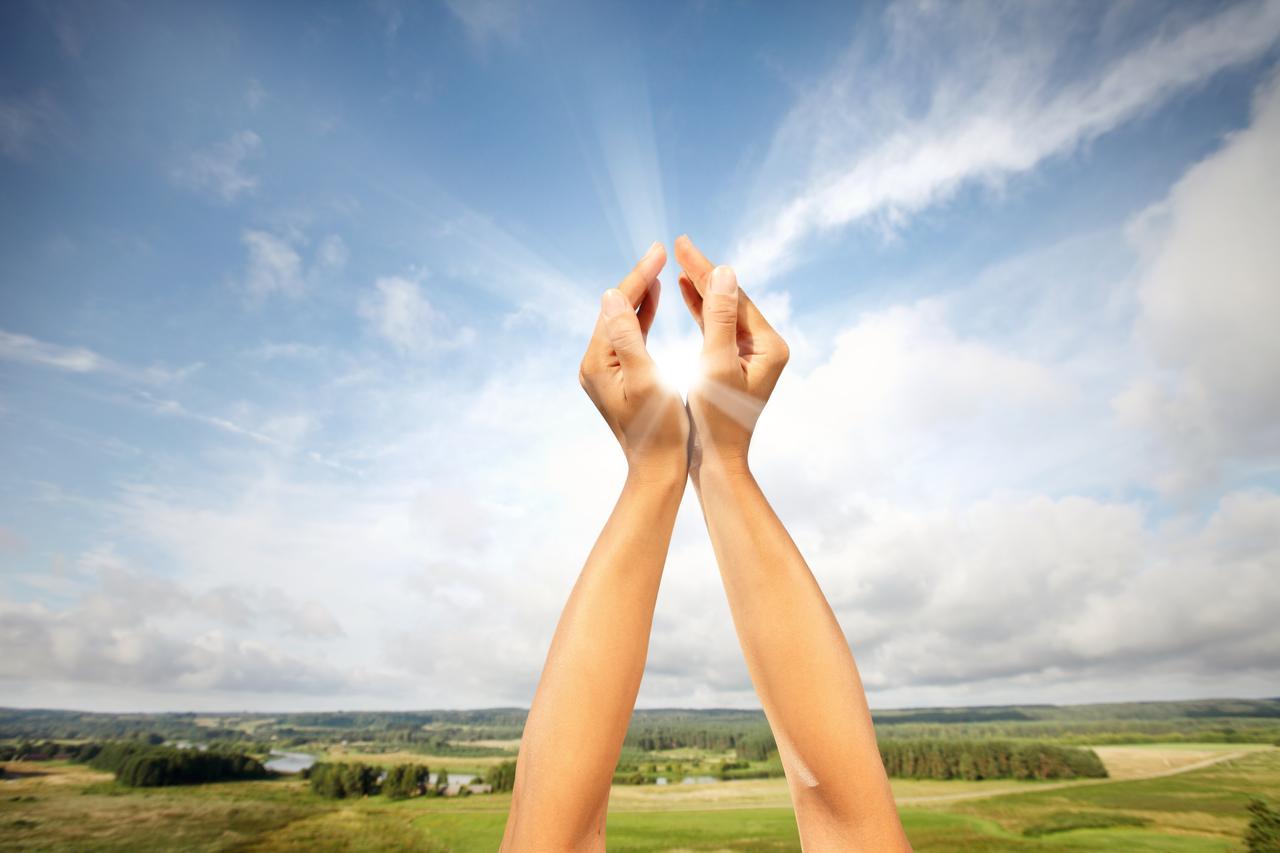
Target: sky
292 298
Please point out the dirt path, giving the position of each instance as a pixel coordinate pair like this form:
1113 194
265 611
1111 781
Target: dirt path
1052 786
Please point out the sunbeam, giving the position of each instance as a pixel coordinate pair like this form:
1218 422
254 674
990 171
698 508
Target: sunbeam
679 361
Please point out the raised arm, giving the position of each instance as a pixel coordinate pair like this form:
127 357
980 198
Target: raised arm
584 700
797 655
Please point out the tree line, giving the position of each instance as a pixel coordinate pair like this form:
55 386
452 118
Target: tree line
988 759
343 780
143 765
753 743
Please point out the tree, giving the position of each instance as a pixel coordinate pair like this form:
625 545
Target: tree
501 776
406 780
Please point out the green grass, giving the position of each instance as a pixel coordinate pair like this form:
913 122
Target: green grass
73 807
1069 821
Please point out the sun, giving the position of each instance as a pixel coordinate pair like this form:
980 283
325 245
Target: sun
679 361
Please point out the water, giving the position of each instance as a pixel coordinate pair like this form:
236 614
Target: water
289 762
455 778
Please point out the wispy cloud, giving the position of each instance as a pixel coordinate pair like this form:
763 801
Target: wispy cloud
874 153
397 310
221 170
76 359
275 265
27 349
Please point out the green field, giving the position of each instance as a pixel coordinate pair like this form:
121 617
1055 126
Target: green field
1188 807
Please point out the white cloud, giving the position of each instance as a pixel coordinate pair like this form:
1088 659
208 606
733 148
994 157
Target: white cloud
398 311
221 169
876 149
76 359
275 264
27 349
1209 296
130 629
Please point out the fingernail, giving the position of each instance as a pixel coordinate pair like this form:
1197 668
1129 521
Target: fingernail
656 245
723 280
614 303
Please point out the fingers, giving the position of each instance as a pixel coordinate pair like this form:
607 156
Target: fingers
622 327
649 307
698 269
635 284
692 298
720 321
695 263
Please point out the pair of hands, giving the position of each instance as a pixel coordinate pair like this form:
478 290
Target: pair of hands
742 358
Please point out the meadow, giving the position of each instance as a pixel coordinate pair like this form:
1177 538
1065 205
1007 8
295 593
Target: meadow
1178 795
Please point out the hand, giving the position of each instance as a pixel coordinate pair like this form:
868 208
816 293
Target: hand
742 358
647 418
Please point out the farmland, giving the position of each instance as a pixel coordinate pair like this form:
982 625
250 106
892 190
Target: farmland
1176 795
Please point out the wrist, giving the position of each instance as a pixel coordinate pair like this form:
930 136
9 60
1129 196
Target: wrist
658 471
721 467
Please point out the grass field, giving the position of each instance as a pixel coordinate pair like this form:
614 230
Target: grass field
62 806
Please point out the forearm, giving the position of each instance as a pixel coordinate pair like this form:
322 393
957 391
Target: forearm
802 669
584 699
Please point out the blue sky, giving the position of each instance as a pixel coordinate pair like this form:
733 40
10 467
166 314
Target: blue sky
293 296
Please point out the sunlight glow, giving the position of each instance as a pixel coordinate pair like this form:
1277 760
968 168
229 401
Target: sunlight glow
679 361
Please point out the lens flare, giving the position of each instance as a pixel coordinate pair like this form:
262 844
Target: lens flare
679 362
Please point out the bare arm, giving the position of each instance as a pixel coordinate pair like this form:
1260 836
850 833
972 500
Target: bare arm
584 700
797 655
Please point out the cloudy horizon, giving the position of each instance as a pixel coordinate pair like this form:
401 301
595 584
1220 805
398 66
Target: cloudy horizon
293 303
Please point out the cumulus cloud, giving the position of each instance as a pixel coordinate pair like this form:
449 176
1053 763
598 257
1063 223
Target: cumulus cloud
221 170
877 150
1209 293
126 627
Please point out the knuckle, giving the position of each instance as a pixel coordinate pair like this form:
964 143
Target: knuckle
720 311
628 339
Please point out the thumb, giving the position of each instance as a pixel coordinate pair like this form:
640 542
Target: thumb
720 319
623 328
